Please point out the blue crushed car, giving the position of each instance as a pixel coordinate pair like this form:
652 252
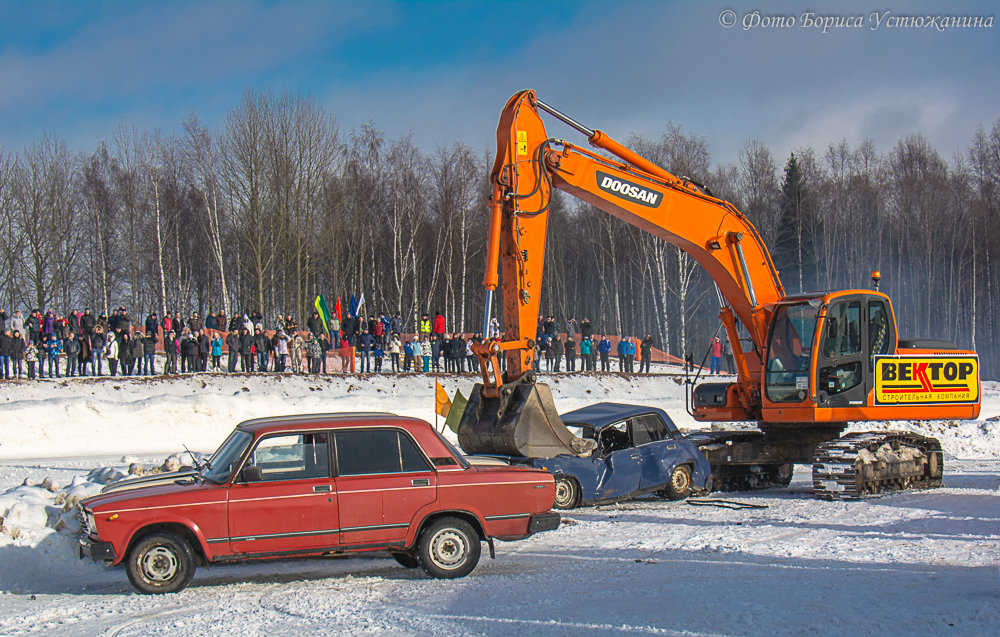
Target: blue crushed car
639 451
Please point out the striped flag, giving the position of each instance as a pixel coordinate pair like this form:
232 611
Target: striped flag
324 312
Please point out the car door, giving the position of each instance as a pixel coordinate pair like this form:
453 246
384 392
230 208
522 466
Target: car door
383 480
656 448
293 507
620 463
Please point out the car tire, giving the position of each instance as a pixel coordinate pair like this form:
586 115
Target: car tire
160 563
407 560
449 548
679 486
567 493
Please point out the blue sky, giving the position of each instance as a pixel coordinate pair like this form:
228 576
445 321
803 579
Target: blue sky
441 71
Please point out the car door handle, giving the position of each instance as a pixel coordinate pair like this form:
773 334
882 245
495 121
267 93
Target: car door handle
635 456
421 482
322 488
671 446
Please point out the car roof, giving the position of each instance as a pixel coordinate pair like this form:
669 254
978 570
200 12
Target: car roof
601 415
312 421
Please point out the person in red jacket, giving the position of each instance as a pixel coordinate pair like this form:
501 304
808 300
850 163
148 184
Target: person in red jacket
716 352
438 324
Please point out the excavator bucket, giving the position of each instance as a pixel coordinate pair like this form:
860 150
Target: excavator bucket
522 421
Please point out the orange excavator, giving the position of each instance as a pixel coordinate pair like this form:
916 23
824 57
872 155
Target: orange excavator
818 361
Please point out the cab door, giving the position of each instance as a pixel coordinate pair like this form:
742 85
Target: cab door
856 329
841 363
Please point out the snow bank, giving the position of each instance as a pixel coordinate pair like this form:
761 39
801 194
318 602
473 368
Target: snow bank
113 417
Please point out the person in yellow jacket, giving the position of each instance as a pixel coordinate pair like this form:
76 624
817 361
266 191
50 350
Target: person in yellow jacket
425 325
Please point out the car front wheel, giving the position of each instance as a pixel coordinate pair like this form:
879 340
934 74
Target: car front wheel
160 563
567 493
449 548
679 486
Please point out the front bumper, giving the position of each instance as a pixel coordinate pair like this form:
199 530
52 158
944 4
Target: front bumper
97 551
543 522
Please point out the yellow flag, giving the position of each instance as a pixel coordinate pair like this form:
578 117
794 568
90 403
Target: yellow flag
442 404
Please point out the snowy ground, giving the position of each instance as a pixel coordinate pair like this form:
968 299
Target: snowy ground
918 563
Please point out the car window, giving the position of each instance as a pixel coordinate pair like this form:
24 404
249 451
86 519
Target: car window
647 428
292 457
615 437
369 451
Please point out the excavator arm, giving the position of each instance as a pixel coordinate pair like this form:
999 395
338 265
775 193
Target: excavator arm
528 166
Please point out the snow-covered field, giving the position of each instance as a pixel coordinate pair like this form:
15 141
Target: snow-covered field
916 563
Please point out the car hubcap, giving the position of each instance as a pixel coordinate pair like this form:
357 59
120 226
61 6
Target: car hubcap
564 493
159 564
680 480
449 549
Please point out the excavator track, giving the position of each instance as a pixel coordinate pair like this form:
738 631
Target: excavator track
874 462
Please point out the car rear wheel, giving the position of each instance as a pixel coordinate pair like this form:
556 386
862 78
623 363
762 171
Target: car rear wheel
449 548
567 493
679 486
160 563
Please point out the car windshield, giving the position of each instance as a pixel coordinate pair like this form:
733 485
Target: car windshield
222 463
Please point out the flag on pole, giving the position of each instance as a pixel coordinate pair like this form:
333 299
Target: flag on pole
442 404
324 312
355 306
337 310
455 411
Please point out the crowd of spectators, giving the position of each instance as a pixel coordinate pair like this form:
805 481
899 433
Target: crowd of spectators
85 344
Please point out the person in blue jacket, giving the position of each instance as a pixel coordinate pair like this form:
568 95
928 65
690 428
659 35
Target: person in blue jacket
629 355
604 347
365 343
54 349
622 350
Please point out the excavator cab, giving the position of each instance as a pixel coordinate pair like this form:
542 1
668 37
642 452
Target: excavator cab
821 350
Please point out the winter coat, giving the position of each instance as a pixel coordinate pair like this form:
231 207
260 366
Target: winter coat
149 345
408 348
716 348
298 346
262 342
54 348
314 349
246 342
622 348
30 356
629 348
646 347
125 350
217 346
586 330
137 348
17 324
394 346
111 349
457 348
210 323
557 347
233 342
3 322
87 322
396 325
204 345
315 325
169 344
585 347
6 344
71 346
280 344
151 324
83 342
604 346
439 324
349 325
50 322
365 342
334 324
189 346
195 323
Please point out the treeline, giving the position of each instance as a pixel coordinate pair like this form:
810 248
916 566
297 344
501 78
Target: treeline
279 204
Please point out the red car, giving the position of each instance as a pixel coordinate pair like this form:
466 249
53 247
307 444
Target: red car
314 485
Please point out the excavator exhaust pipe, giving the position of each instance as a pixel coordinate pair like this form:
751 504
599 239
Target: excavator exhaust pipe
522 421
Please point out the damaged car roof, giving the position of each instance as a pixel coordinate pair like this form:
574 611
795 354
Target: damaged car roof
601 415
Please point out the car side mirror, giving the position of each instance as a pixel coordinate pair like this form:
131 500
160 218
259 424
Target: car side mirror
251 473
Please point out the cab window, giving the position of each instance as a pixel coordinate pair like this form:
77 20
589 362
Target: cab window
786 378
